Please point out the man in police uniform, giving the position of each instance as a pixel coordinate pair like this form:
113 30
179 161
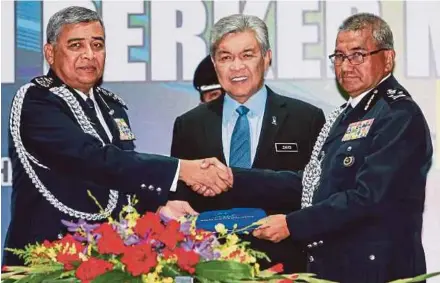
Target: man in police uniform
363 190
69 136
206 82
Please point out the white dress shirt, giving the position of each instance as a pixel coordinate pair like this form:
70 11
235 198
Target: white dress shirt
256 104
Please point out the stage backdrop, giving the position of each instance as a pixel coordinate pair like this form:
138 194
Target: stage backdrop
154 47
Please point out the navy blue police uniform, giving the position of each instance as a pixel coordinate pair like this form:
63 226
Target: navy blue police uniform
363 220
59 152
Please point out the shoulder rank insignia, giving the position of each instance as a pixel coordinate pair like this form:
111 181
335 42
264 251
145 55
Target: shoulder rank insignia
43 81
111 95
394 94
357 130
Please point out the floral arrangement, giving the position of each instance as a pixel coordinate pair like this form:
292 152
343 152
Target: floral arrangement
147 248
144 248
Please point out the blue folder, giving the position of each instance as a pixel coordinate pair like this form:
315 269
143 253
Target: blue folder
242 217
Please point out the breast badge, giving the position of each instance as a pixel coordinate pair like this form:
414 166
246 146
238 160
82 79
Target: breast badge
357 130
125 133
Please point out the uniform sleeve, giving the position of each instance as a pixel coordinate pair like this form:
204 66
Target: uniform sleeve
399 139
177 141
51 134
179 146
267 189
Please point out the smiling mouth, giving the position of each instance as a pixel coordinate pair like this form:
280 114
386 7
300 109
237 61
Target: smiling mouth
238 79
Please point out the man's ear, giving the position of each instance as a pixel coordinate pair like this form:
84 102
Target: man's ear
267 59
389 60
49 53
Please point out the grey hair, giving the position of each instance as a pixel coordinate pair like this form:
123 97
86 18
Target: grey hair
239 23
382 33
69 15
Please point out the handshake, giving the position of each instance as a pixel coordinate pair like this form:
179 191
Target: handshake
208 177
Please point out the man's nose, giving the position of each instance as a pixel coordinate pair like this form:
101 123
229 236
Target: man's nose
88 52
346 65
237 64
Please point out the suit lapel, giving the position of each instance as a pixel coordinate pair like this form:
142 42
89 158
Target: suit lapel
336 130
108 119
213 128
274 115
89 113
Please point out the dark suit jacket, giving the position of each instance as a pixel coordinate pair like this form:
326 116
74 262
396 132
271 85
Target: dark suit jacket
76 161
365 223
198 134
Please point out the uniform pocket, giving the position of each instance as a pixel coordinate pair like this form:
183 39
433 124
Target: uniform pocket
348 158
369 263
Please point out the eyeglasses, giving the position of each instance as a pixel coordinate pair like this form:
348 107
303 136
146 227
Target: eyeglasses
355 59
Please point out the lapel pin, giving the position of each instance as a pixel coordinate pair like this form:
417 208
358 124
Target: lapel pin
274 120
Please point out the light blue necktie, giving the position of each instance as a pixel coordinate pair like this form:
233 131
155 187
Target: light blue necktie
240 154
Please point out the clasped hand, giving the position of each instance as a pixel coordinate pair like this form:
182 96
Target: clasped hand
208 177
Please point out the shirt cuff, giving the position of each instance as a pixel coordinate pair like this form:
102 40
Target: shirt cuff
176 177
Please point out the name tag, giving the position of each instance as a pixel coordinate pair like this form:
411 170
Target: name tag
286 147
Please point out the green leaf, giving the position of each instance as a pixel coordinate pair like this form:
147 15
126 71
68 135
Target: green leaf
169 270
117 276
62 280
223 270
417 278
40 277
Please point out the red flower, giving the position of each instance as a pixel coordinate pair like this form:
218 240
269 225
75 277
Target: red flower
139 259
65 256
277 268
150 222
187 260
67 240
67 260
4 268
172 235
92 268
110 242
167 253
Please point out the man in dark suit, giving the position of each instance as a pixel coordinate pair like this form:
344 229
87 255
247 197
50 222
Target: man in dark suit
363 190
280 131
69 136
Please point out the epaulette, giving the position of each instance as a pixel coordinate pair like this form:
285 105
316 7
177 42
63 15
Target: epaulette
394 95
43 81
111 95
